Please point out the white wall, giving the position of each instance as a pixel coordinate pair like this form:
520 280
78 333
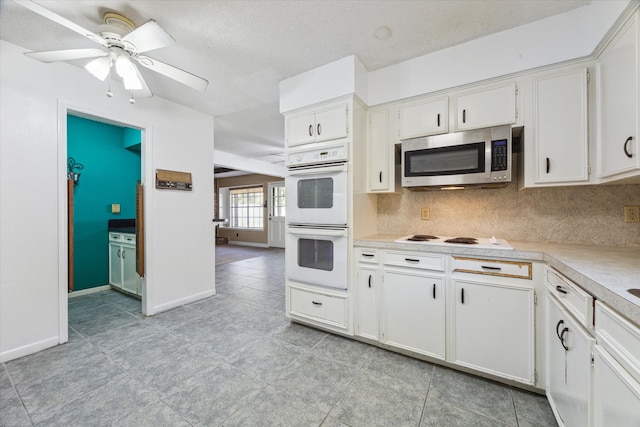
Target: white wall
180 235
559 38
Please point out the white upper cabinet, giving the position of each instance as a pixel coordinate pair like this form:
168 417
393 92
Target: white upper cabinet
383 174
320 124
486 108
560 128
424 117
618 99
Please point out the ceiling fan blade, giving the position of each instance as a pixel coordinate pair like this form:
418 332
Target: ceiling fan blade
172 72
66 55
60 20
148 36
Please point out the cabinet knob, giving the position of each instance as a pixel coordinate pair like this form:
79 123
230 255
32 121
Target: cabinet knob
627 153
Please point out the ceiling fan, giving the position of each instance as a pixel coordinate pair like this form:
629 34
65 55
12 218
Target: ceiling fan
122 45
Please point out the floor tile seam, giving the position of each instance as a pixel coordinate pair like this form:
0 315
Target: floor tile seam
240 407
344 391
304 402
17 393
457 406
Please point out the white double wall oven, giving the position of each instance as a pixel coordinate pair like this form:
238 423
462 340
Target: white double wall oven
317 215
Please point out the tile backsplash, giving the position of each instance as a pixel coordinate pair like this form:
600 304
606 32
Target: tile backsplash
581 214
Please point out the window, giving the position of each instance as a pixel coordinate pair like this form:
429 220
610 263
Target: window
246 207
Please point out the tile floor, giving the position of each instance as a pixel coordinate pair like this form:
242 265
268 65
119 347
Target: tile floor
235 360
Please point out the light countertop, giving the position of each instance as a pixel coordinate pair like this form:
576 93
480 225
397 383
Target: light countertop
606 272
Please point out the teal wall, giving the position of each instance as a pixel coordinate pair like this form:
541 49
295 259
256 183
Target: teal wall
109 176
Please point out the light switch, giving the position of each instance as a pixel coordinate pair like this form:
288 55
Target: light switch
115 208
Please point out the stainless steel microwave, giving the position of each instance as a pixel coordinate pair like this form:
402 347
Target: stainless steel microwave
479 157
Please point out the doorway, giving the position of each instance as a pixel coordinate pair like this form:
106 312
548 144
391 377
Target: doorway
276 205
65 111
104 162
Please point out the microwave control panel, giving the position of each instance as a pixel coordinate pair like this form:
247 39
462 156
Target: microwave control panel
499 155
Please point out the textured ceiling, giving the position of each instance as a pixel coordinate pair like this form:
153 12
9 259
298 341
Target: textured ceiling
244 48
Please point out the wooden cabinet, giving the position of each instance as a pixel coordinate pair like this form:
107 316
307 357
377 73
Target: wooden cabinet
122 262
367 286
493 318
320 124
413 311
383 155
487 107
569 372
616 367
560 128
424 117
618 104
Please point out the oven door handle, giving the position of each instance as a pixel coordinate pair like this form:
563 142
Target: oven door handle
318 170
330 232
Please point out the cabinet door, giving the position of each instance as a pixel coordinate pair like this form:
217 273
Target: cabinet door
378 150
413 308
616 393
129 275
331 123
493 329
487 108
568 366
115 265
367 303
422 118
560 128
301 129
618 102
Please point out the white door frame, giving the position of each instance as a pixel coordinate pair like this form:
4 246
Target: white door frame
64 108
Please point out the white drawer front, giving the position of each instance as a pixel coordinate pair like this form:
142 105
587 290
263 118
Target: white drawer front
492 267
318 306
129 239
367 255
577 301
116 237
406 259
620 337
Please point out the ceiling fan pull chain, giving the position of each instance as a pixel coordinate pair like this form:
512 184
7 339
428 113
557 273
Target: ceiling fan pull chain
109 93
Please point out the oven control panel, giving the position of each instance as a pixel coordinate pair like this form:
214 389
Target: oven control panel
318 155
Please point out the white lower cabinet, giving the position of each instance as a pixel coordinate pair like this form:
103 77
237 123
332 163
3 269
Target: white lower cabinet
493 328
320 307
413 312
569 370
616 368
366 301
122 262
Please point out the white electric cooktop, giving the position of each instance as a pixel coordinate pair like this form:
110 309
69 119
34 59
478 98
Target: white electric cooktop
472 242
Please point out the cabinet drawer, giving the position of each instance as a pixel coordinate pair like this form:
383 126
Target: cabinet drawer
620 337
407 259
129 239
318 306
492 267
578 302
116 237
367 255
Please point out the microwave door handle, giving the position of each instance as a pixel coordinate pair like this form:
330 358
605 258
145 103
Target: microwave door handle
322 170
301 231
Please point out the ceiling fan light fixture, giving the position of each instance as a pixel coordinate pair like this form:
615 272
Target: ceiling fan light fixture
99 67
126 70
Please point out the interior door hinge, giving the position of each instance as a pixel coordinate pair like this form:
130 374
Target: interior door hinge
516 88
589 169
516 112
535 299
588 76
593 359
535 376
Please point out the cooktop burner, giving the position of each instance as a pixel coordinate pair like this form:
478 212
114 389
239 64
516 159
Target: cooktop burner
421 238
476 242
463 240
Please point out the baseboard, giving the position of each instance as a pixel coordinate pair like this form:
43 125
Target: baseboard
89 291
177 303
28 349
255 245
